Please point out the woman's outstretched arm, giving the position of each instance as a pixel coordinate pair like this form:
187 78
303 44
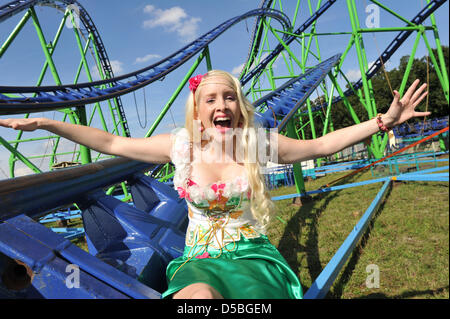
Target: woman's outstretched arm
292 150
155 149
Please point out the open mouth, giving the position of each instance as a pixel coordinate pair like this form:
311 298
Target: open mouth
222 123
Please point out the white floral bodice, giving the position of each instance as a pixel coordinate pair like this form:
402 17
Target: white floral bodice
219 213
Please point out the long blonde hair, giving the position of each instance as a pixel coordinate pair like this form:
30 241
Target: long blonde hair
260 202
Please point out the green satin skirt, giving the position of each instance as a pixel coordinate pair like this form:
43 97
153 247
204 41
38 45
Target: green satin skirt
252 269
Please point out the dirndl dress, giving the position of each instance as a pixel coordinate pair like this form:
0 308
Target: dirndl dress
225 248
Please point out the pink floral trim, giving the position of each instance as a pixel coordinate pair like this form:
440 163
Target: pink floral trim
218 189
214 192
183 193
191 182
194 193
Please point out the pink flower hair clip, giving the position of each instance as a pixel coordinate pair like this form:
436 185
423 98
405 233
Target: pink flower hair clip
194 82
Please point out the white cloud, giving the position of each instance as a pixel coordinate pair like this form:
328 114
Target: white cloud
167 17
94 73
149 8
279 58
355 74
188 29
237 70
146 58
23 171
116 66
174 19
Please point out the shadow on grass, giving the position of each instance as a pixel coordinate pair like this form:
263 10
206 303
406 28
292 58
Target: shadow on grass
406 294
356 254
307 216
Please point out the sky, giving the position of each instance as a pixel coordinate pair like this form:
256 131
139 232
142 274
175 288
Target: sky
137 33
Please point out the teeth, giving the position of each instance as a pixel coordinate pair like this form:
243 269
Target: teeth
222 119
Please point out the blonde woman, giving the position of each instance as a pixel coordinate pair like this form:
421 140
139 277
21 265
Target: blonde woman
218 156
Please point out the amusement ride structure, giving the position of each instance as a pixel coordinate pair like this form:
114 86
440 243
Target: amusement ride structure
133 220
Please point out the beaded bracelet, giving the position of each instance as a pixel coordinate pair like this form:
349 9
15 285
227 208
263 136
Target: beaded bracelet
380 123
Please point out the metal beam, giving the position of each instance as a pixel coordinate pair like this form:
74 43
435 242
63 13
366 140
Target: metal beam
37 194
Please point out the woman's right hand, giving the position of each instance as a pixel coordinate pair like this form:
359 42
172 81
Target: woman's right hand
28 125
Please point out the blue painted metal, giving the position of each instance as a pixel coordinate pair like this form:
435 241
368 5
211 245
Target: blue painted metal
332 188
138 243
417 174
417 161
60 215
425 177
408 133
159 200
69 232
134 241
48 255
38 194
284 176
323 282
273 179
276 108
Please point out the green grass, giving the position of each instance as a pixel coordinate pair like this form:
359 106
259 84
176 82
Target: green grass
408 237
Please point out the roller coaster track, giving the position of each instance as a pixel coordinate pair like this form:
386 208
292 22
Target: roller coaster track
256 71
284 102
15 7
287 99
54 97
256 38
375 67
395 44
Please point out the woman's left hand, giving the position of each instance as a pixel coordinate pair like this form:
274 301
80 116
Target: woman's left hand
403 109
